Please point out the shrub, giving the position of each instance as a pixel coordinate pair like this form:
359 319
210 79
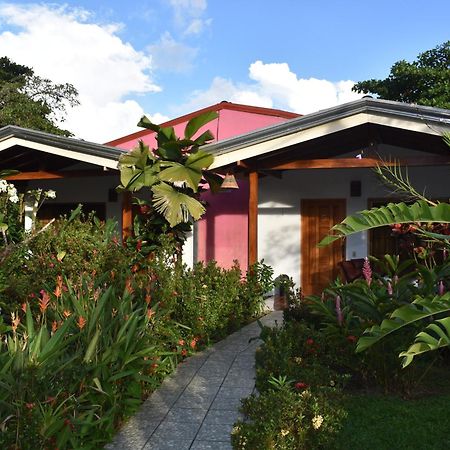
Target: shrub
286 419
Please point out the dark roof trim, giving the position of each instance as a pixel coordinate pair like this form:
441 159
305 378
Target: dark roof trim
426 114
216 107
75 145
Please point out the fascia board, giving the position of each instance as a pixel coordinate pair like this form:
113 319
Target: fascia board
77 156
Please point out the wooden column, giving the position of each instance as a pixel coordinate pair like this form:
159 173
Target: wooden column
127 215
253 219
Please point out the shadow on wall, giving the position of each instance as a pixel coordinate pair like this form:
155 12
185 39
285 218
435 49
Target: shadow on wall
280 249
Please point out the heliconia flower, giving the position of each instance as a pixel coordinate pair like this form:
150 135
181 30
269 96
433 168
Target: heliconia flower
390 291
367 271
181 342
150 313
54 326
441 288
44 301
340 317
81 322
59 286
66 314
148 298
128 286
24 307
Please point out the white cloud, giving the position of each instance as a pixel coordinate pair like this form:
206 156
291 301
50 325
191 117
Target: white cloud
65 45
222 89
172 56
158 118
276 86
189 15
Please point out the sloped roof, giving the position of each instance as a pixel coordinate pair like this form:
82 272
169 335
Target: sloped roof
422 119
217 108
75 149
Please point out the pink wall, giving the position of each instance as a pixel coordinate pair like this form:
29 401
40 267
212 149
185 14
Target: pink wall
229 123
223 231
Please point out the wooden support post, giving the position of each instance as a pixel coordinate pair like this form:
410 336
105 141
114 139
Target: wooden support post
253 219
127 215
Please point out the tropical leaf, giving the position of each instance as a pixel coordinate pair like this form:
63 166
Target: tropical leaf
190 172
197 122
434 337
421 308
137 157
390 214
175 206
134 179
145 122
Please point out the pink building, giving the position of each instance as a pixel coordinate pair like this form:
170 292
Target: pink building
222 234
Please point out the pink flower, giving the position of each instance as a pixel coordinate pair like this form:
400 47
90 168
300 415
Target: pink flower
300 386
367 271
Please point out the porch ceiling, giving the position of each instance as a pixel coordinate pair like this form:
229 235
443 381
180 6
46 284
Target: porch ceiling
362 137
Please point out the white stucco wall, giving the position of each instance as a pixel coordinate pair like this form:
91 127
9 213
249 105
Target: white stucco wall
280 215
84 190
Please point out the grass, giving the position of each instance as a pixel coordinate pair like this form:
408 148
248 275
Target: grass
385 423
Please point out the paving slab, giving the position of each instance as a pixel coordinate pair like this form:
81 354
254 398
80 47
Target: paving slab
195 407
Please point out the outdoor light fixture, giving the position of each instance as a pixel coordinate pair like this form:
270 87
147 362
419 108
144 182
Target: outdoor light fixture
229 182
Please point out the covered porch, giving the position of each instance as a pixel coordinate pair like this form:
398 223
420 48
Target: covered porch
307 174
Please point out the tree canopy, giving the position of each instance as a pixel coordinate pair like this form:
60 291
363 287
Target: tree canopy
425 81
29 101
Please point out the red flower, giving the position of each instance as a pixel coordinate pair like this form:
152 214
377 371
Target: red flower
352 339
193 343
183 352
139 245
181 342
300 386
309 341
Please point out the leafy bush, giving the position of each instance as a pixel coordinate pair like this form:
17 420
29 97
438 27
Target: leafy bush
286 419
70 248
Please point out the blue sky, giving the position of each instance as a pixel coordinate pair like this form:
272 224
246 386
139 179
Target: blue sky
167 58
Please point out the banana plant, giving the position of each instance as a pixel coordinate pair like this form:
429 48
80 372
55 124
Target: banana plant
436 335
389 215
174 171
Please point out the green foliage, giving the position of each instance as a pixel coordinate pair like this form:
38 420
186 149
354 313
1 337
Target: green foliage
285 419
425 81
94 328
32 102
422 308
67 248
391 214
173 173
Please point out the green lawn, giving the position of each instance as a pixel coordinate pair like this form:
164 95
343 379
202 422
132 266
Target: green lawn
379 422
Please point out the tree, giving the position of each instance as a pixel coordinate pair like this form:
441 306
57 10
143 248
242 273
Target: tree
29 101
425 81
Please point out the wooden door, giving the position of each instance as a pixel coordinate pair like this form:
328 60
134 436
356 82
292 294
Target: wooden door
319 266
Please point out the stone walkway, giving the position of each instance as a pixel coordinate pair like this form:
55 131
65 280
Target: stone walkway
195 408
